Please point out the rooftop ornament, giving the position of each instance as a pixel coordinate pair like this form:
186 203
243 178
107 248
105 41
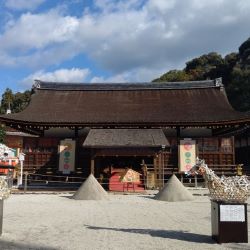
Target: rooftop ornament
225 189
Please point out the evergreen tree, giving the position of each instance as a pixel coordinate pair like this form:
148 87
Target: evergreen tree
16 102
234 69
2 133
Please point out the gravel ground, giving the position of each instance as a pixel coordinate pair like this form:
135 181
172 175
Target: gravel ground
54 221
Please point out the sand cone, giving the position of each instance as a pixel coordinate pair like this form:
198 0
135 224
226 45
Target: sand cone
90 190
174 191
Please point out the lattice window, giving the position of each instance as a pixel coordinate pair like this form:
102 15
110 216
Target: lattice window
226 145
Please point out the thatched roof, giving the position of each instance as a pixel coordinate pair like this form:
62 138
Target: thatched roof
125 105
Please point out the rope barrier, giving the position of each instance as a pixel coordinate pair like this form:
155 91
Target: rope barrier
104 183
57 176
50 181
29 178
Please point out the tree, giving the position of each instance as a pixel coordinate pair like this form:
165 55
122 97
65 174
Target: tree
2 133
205 66
16 102
7 100
234 69
21 100
173 76
244 53
238 90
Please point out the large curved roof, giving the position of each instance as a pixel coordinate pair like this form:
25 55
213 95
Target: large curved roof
166 104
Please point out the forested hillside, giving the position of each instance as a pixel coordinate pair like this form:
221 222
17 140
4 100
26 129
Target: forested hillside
234 69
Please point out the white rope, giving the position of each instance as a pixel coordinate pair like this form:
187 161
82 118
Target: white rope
4 189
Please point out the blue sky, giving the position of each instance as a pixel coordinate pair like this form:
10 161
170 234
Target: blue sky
112 41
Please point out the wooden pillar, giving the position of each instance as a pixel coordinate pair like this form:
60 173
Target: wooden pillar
77 151
220 153
159 169
76 132
42 133
92 162
92 166
178 135
233 148
155 172
247 149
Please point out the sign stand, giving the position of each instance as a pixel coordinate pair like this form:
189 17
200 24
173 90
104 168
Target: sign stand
229 222
1 217
20 177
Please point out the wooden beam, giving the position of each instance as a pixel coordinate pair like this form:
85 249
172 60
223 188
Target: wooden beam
229 131
26 129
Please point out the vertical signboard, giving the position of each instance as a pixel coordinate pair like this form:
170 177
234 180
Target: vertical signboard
187 154
67 156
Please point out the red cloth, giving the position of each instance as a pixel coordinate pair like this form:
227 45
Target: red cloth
116 185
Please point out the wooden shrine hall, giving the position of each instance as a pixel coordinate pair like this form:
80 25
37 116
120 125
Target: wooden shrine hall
83 128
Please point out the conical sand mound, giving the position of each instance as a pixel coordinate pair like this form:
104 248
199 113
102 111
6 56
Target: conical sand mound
174 191
90 190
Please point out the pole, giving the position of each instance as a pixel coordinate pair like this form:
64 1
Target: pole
25 182
21 175
195 180
1 217
163 170
162 156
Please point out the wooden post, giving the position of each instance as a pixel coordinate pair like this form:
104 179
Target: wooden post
1 217
163 164
247 148
163 172
181 178
248 151
159 171
21 174
92 166
178 135
76 132
156 171
42 133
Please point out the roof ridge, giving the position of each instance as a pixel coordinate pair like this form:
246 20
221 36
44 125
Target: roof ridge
127 86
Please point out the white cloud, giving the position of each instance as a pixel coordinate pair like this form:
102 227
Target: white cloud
36 31
60 75
162 6
107 6
131 39
23 4
135 75
120 78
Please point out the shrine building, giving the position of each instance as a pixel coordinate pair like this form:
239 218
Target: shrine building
88 128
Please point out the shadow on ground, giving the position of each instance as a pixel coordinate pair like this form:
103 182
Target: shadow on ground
4 244
169 234
151 197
